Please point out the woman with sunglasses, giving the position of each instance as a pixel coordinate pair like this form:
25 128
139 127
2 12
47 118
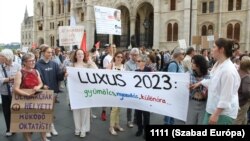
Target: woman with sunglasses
142 117
116 64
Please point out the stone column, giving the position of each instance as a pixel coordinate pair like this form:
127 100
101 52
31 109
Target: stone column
194 19
220 18
186 21
132 28
90 23
45 23
157 29
34 40
247 28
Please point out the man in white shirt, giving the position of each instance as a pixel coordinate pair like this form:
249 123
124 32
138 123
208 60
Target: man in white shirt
187 60
108 58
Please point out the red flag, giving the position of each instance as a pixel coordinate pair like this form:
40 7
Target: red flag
97 45
83 44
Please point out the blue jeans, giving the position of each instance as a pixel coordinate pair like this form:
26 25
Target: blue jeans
168 120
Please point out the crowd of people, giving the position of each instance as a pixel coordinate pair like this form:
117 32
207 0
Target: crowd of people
219 81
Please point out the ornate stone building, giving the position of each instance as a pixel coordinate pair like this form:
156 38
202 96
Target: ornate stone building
153 23
27 30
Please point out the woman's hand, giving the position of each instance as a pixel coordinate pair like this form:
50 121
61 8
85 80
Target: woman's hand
36 88
45 87
194 86
29 92
213 119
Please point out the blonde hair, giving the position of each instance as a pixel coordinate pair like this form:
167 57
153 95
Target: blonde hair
245 64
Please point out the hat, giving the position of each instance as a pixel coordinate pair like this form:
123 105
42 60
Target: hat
177 51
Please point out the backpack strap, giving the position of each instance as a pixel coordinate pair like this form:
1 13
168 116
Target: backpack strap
177 66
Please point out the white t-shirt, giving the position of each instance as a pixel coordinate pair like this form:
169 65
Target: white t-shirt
107 60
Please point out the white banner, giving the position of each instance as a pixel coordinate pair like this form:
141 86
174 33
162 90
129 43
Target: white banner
108 20
70 35
158 92
182 43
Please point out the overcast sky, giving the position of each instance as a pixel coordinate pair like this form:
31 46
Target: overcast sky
11 15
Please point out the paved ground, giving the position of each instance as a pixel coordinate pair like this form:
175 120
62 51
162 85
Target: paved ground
65 126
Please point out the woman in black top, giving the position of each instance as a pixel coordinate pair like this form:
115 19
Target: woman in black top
142 117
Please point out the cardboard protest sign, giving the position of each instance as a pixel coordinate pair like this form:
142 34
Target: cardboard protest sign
32 113
196 40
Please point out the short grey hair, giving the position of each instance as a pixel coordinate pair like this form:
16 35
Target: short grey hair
8 54
27 56
134 51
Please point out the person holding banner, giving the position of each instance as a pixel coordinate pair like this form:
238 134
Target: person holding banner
222 103
116 64
28 78
175 66
8 70
130 65
198 96
50 74
142 117
82 116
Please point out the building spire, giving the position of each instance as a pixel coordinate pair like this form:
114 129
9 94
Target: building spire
26 13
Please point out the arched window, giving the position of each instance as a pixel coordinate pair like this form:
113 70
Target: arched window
230 5
40 27
175 33
230 31
238 5
204 30
82 16
62 6
39 9
42 8
210 30
52 41
204 7
52 8
172 5
69 5
59 6
237 31
169 35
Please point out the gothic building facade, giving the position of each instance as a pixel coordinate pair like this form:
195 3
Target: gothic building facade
27 30
152 23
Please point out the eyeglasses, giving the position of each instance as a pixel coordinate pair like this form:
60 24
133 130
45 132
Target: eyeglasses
139 61
134 54
32 61
119 56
